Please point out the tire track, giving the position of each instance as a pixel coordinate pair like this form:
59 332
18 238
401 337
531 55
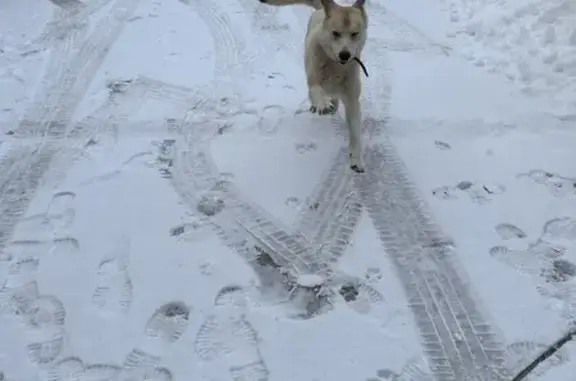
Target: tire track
458 340
406 37
23 166
68 4
64 33
52 115
196 179
26 163
195 176
230 53
333 210
264 18
171 93
105 120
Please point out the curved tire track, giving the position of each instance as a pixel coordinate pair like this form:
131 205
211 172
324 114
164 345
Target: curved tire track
263 17
195 175
231 58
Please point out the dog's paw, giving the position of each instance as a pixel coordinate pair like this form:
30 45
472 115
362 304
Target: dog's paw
356 164
357 168
325 108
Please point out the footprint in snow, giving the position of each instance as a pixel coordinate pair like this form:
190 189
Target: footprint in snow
210 204
302 148
227 338
373 275
190 231
45 329
365 299
166 326
414 370
52 223
518 352
560 270
557 185
560 232
293 202
558 237
546 260
442 145
478 193
61 211
42 317
361 297
270 118
113 291
73 368
508 231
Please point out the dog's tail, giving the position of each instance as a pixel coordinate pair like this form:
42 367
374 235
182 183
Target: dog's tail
316 4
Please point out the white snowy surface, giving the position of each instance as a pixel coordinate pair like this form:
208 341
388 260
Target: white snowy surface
131 255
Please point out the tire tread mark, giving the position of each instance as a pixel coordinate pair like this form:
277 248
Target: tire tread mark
107 117
23 166
195 173
66 94
414 38
63 23
229 52
333 210
16 191
68 4
169 92
459 344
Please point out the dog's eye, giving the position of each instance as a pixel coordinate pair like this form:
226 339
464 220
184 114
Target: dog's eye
336 34
354 35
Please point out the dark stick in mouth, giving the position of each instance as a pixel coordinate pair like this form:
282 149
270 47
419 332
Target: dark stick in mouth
361 65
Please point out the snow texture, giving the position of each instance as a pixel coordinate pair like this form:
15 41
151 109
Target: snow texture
170 210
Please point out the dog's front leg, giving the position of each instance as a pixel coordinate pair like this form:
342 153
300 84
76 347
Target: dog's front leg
320 102
354 123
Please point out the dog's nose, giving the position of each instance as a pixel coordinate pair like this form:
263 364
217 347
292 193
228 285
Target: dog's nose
344 55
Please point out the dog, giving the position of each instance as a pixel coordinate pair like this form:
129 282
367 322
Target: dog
335 38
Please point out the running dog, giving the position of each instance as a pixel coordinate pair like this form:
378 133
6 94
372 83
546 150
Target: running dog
335 38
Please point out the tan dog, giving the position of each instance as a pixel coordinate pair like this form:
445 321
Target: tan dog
335 38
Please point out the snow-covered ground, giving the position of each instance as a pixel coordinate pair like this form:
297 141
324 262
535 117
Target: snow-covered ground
170 211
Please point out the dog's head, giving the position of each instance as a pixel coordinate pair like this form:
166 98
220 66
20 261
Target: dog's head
344 30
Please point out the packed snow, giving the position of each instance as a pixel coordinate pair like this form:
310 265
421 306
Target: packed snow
170 210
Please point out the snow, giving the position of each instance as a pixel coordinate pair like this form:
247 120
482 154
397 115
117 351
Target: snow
309 280
167 202
531 43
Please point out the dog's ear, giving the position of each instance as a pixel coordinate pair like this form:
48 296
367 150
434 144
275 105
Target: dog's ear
327 5
359 3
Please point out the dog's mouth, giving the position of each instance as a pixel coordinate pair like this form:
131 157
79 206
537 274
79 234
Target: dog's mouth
361 65
358 61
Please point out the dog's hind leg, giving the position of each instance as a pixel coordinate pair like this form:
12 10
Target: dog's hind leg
354 124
